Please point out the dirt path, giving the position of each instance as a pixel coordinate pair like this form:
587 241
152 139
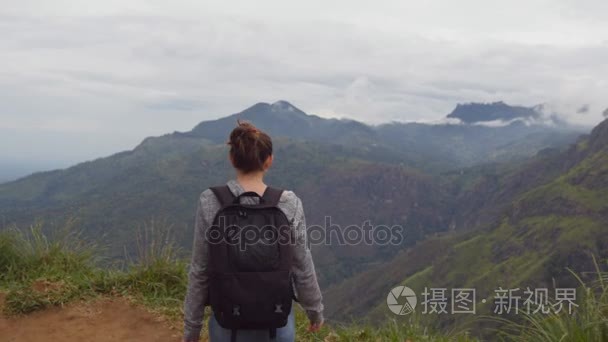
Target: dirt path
101 320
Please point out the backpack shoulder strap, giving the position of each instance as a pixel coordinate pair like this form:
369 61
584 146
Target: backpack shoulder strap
223 194
272 196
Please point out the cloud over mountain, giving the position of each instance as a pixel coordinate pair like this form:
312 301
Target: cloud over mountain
99 70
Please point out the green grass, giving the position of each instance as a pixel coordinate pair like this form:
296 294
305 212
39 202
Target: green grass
589 322
37 271
409 328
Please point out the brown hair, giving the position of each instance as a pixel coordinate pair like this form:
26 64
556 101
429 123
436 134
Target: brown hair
249 147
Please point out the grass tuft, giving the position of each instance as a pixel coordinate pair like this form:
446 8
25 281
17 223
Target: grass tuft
38 271
589 322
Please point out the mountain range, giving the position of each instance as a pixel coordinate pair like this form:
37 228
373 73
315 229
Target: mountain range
479 204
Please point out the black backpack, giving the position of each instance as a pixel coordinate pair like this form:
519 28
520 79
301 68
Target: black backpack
250 257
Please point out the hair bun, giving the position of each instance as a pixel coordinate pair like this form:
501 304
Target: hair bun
243 130
249 147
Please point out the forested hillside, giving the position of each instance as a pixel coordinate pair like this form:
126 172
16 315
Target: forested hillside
419 176
548 220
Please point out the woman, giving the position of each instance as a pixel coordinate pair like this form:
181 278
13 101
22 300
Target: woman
251 156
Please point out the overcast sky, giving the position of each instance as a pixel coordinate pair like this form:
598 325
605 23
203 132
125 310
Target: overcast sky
82 79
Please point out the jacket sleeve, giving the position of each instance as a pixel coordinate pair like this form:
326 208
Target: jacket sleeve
305 278
198 280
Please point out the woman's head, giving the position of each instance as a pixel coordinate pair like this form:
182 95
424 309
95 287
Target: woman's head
250 148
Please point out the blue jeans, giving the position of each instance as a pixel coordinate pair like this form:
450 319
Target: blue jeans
284 334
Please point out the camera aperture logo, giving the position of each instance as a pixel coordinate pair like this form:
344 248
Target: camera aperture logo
401 300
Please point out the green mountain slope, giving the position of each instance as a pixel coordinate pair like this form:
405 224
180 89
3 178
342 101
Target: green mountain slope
112 198
346 169
555 219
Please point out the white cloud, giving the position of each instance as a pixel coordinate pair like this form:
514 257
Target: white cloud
128 69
